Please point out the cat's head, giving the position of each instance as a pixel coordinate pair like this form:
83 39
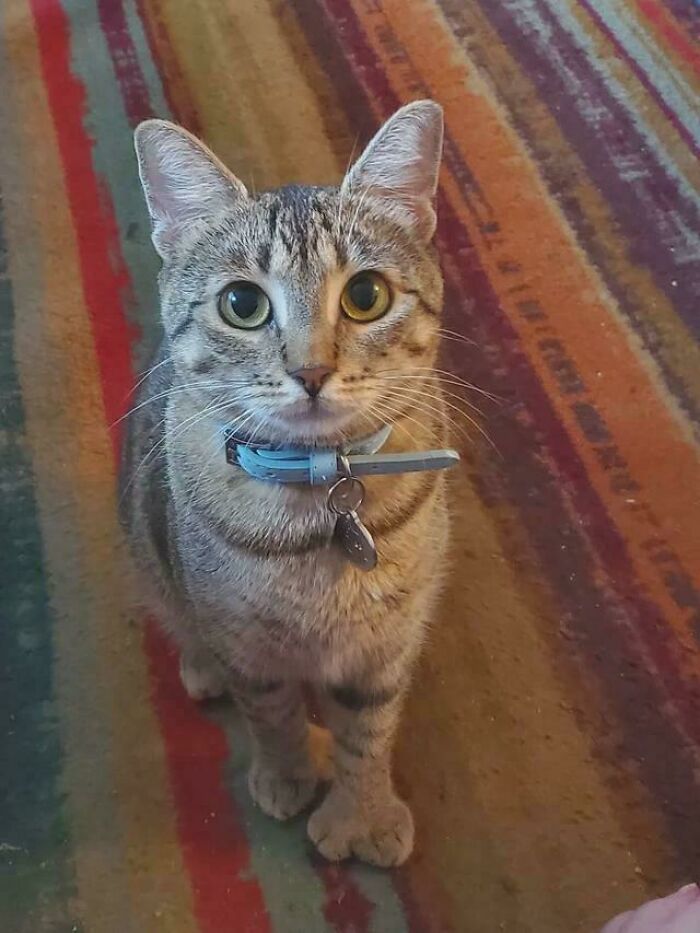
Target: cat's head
303 314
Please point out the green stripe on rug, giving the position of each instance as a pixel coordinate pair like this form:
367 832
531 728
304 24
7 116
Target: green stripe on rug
36 870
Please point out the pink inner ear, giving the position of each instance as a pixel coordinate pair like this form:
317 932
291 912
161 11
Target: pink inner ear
182 180
401 164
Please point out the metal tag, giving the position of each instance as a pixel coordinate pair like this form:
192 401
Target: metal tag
345 498
356 541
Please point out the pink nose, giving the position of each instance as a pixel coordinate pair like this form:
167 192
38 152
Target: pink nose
312 378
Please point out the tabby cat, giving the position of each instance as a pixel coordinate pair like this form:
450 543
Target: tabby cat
302 316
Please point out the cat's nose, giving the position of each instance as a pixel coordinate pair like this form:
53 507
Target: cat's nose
312 378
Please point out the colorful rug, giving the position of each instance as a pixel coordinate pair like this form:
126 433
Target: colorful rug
551 745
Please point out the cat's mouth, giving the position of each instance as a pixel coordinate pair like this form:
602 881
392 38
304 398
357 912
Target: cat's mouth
312 408
314 418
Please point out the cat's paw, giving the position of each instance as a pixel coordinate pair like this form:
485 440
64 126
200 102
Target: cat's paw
381 834
202 681
278 795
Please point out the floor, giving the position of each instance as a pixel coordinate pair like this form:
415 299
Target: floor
551 745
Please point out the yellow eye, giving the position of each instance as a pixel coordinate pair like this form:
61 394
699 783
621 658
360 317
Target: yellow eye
244 305
366 297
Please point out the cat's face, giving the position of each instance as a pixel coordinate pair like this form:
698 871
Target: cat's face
303 314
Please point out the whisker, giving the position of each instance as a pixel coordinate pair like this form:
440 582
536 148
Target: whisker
421 398
443 395
341 199
449 377
402 413
214 407
360 202
419 403
235 425
396 416
455 335
174 390
168 359
423 381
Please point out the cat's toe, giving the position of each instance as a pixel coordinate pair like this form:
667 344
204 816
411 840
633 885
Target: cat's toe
278 795
381 835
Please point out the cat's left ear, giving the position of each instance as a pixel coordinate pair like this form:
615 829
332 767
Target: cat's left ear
401 165
183 181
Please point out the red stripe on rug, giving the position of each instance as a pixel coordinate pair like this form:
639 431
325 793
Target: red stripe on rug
127 70
346 908
214 844
214 848
671 32
104 275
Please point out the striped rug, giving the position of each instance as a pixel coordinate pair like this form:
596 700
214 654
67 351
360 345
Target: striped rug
551 745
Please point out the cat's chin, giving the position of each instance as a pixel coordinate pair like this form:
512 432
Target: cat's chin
319 424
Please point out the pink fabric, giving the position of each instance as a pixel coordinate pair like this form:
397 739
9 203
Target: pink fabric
679 913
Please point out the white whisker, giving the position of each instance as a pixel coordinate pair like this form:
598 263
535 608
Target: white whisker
177 389
188 423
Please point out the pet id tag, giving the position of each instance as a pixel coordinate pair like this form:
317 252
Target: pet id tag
344 499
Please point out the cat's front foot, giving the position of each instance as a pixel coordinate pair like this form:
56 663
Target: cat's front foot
377 831
280 795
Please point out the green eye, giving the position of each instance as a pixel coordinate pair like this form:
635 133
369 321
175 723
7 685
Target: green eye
366 297
244 305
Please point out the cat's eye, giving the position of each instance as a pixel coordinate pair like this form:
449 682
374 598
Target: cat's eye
366 297
244 305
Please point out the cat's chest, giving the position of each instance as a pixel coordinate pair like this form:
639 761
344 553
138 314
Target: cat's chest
302 610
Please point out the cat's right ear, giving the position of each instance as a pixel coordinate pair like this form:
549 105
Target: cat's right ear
183 181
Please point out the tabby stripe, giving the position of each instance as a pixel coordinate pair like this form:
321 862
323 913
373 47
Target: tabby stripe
184 324
393 521
262 546
259 687
423 303
353 698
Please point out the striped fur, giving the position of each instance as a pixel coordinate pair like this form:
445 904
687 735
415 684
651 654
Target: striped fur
246 574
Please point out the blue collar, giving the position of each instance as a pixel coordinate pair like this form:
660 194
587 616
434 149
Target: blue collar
319 466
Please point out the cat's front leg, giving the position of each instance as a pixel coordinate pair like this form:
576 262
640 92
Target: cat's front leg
361 814
281 780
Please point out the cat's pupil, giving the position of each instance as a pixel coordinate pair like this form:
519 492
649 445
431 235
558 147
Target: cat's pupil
244 300
363 293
